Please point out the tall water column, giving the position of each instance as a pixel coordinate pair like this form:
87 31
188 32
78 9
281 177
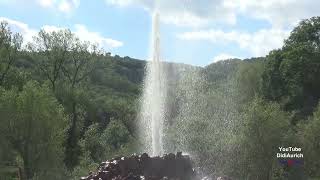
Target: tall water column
152 110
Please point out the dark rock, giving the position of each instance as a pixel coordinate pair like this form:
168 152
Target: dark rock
223 178
135 167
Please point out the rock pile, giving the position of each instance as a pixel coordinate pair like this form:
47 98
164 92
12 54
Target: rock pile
170 166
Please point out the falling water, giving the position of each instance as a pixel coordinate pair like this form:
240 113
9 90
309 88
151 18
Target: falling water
154 96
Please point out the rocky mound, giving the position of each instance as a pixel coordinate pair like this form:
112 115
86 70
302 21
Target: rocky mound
170 166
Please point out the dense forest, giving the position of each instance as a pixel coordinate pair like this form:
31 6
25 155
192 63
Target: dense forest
66 105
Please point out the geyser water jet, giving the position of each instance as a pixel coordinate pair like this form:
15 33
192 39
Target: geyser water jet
152 112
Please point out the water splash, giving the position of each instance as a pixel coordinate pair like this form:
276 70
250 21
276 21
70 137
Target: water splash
152 112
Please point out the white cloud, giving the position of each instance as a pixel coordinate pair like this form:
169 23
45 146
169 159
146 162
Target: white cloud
95 37
121 2
64 6
185 12
279 13
46 3
258 43
84 34
49 28
224 56
22 28
79 30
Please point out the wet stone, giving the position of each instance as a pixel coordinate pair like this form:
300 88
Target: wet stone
144 167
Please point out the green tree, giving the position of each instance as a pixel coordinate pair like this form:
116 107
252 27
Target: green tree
32 125
291 73
51 52
273 87
309 137
91 143
81 62
116 135
248 80
265 126
66 62
10 45
117 140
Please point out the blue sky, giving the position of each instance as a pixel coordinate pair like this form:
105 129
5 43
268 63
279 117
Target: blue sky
192 31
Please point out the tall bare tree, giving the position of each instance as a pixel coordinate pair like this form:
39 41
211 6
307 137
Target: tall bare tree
52 49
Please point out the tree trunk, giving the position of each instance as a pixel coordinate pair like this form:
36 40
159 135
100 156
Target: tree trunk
26 167
72 149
